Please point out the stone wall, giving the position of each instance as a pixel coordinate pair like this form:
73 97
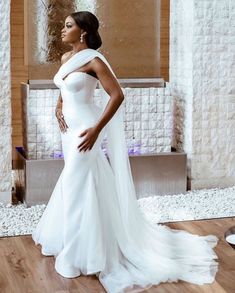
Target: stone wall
202 78
5 104
148 121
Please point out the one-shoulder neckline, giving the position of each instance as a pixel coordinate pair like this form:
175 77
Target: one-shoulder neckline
76 55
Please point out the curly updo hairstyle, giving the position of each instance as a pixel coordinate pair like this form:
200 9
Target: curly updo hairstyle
88 22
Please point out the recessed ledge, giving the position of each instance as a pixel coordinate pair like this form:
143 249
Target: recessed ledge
124 82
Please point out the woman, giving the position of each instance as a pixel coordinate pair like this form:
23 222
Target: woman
92 223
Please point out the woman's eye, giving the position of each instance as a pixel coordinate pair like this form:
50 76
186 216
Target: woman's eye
68 26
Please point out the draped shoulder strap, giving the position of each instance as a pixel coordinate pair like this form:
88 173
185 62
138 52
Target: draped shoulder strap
78 60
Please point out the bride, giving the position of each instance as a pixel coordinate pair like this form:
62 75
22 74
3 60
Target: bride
92 223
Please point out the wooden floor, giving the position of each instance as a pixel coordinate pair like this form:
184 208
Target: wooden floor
23 269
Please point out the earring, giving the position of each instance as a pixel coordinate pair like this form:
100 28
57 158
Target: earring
81 38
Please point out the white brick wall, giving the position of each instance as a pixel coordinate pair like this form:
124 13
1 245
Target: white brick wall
5 104
148 121
202 77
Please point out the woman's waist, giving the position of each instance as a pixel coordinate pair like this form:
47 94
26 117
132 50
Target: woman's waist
77 97
80 107
81 112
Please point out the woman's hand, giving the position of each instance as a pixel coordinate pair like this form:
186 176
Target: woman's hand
90 138
60 117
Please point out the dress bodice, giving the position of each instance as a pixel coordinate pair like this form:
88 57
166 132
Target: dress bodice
77 91
77 87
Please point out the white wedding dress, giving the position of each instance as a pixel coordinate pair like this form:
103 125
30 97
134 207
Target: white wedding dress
92 224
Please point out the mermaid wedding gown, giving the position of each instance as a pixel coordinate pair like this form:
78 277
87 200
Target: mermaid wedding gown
92 223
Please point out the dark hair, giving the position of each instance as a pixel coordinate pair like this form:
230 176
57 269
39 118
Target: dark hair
88 22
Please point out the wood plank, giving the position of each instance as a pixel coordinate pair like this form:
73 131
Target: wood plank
165 5
19 72
164 47
25 269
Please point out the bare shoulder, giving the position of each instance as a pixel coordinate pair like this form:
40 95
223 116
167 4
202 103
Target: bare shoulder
98 65
65 57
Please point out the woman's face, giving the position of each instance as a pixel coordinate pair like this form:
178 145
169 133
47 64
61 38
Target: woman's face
70 32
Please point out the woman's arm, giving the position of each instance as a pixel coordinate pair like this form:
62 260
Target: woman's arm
112 87
59 114
59 103
58 110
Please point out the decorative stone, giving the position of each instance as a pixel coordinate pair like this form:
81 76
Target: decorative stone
193 205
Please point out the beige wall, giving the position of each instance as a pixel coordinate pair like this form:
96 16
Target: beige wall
131 34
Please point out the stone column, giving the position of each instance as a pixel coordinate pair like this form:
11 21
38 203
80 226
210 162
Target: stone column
202 77
5 104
